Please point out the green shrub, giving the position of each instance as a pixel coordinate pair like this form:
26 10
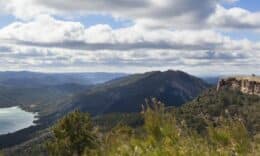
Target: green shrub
73 135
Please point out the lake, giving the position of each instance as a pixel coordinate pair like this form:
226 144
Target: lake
13 119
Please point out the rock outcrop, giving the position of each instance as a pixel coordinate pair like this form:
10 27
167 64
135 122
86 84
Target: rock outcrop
245 84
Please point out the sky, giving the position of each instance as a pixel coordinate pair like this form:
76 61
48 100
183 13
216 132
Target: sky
201 37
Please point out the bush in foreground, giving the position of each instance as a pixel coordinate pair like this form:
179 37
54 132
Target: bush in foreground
73 135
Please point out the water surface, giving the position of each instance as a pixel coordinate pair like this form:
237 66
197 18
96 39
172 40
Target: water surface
13 119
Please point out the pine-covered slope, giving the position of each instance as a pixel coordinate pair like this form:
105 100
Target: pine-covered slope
127 94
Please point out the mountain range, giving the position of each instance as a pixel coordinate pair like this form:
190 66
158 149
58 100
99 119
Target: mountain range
35 79
127 94
124 94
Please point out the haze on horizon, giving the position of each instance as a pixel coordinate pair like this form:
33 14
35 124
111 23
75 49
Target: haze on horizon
130 36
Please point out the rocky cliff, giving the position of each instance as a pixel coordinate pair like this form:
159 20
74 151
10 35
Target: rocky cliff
246 84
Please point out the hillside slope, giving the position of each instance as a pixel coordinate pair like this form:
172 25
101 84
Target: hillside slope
127 94
213 104
120 95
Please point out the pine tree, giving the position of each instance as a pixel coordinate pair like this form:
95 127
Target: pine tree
73 135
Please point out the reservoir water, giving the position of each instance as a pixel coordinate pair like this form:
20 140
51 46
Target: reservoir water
13 119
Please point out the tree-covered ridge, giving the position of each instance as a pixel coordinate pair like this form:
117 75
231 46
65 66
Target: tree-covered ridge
225 103
161 134
126 94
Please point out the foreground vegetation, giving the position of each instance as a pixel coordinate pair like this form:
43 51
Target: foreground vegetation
160 135
215 123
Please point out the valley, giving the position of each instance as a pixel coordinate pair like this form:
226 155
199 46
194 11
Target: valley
120 95
120 101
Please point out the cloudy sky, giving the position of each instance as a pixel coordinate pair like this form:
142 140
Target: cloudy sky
202 37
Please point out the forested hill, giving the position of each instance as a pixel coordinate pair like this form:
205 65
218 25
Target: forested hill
128 93
213 104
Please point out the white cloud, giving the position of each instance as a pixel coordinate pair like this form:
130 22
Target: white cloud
198 62
47 43
163 11
230 1
43 29
184 36
180 14
234 18
46 31
25 9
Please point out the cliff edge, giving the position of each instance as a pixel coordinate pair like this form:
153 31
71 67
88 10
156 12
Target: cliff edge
245 84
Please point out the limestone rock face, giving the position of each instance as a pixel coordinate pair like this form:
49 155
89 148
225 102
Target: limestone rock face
246 84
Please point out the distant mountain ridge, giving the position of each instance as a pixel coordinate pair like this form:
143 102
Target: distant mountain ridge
128 93
125 94
45 93
122 94
32 79
213 80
